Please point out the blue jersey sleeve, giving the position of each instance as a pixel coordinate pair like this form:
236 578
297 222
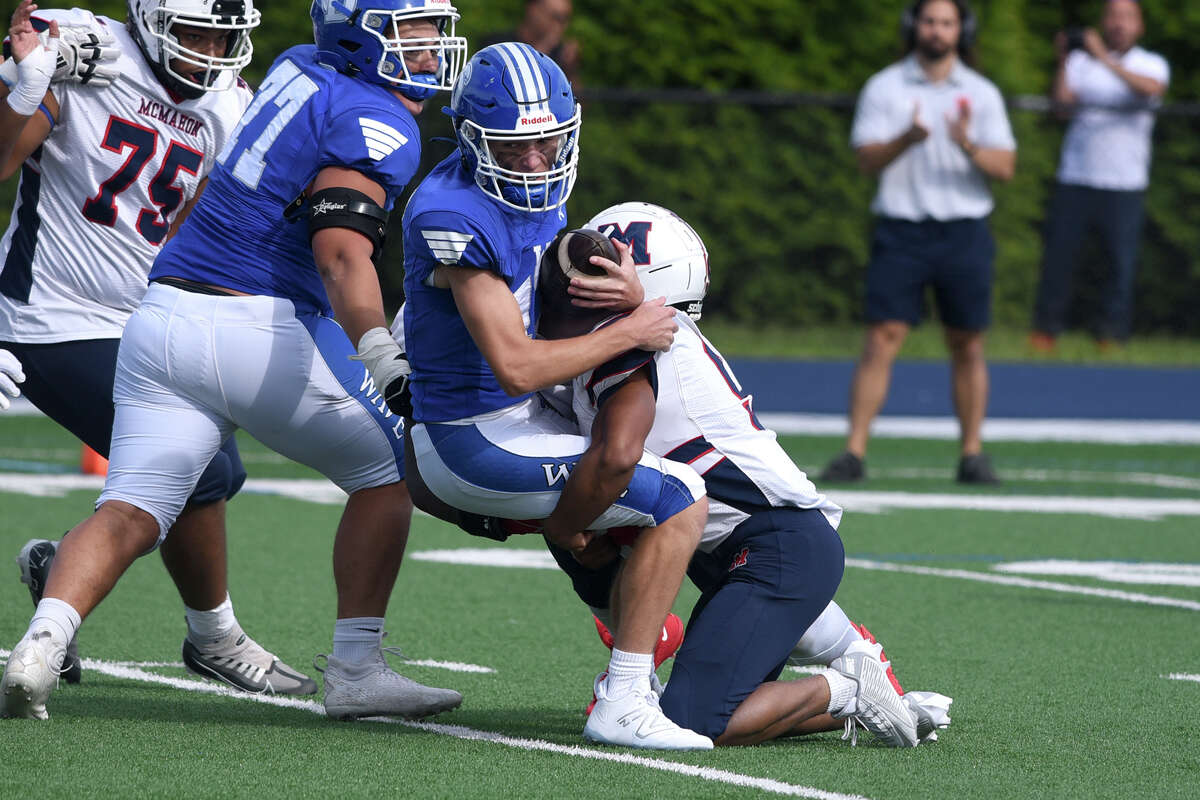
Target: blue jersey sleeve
446 237
383 144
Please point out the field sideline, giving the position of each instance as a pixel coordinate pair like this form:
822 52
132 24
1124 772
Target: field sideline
1061 612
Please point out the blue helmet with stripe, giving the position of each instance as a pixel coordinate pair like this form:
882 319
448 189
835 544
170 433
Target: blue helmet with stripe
372 40
517 125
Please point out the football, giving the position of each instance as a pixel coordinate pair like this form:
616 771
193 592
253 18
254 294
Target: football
573 250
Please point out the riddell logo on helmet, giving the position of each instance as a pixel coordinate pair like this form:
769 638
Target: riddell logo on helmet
542 120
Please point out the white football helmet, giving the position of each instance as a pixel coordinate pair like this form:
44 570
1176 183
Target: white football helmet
671 259
152 22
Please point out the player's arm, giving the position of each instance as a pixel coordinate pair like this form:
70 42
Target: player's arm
344 258
187 209
26 89
521 364
347 222
605 469
21 136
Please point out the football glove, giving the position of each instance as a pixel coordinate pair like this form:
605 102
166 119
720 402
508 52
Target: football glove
87 54
11 374
389 369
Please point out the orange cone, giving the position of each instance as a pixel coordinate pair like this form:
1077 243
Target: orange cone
92 463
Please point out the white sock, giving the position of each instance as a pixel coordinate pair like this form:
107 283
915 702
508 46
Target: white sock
826 639
356 639
628 672
57 618
842 692
210 627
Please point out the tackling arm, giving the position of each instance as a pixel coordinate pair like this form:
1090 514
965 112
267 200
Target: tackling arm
604 470
521 364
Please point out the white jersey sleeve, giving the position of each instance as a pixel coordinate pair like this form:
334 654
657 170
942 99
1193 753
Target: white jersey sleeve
96 201
703 418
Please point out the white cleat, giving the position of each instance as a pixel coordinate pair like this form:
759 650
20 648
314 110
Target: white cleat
635 720
373 689
933 713
29 677
875 706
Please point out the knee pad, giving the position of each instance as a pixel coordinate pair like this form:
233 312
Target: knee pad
826 639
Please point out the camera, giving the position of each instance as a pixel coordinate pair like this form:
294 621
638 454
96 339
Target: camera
1074 38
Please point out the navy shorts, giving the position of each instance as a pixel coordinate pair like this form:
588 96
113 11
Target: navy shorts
954 257
72 383
780 570
762 588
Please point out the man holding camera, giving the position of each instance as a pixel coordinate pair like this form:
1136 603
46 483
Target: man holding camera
1104 169
934 131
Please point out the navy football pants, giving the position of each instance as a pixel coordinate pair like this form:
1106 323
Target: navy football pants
763 587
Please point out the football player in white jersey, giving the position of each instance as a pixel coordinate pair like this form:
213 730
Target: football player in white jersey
770 559
109 169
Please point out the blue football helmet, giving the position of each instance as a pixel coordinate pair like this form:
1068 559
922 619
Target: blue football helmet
360 38
511 95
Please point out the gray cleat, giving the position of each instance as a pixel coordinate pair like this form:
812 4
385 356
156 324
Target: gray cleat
371 688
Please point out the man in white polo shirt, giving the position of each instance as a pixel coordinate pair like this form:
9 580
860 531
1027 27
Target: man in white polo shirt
934 131
1104 170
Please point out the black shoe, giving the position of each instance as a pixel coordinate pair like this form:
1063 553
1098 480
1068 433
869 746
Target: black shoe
845 468
977 469
34 560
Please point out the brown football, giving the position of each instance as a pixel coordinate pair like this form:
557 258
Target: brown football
575 249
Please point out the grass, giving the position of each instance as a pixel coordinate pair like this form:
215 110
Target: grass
1056 694
926 343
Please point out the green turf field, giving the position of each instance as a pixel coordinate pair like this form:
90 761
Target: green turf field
1066 685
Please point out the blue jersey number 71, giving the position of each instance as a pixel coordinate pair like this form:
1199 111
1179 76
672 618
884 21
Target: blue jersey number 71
285 90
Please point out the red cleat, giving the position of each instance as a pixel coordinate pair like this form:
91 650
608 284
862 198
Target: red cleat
668 643
870 637
605 635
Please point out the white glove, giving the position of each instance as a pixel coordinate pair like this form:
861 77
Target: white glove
388 367
10 375
87 53
932 711
34 73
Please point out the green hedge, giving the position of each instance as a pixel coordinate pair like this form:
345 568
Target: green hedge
774 191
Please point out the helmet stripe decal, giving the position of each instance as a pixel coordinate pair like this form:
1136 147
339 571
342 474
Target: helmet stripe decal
527 79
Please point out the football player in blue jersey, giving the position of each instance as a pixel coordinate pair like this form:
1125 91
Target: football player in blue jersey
770 558
474 233
235 331
108 168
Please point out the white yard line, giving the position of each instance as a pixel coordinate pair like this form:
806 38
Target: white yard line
853 500
117 670
998 429
1060 475
1025 583
1182 676
540 559
1143 508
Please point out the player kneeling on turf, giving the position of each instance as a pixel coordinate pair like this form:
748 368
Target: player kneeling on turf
770 559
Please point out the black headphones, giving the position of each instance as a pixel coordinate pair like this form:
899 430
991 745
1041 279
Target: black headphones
968 25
